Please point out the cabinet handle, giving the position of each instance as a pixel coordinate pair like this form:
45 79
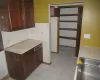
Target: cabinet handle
35 49
16 59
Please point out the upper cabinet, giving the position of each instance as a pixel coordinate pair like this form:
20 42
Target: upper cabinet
29 17
16 14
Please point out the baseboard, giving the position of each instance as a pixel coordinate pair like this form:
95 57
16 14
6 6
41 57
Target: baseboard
5 78
47 63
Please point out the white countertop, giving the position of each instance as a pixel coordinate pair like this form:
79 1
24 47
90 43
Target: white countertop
90 52
23 46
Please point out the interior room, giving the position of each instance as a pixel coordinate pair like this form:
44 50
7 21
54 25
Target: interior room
49 40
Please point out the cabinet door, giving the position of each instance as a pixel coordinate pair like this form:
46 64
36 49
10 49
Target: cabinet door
29 59
29 14
14 64
15 14
39 56
4 23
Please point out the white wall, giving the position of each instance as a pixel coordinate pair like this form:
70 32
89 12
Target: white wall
3 67
54 27
11 38
40 32
43 33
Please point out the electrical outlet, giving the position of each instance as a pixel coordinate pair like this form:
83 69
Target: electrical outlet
87 36
8 41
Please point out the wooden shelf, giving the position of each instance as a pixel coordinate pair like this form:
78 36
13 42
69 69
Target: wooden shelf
71 38
74 6
68 21
68 14
68 29
67 46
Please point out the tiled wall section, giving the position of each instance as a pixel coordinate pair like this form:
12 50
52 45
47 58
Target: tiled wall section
11 38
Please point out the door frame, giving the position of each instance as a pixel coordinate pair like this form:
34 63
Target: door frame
57 5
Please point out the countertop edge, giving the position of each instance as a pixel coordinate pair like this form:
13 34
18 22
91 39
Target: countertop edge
39 42
90 52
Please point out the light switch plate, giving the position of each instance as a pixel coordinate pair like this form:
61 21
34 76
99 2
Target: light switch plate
87 36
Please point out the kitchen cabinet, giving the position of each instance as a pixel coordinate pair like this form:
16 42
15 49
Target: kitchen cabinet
29 18
20 66
16 14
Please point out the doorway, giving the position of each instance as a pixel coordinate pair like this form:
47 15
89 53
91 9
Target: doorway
70 22
67 20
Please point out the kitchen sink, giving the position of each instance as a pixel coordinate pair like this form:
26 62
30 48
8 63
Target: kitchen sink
89 69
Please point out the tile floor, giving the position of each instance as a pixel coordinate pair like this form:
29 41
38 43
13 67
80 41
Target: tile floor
62 67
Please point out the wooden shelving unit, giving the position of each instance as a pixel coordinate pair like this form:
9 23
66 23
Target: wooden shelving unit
68 29
71 38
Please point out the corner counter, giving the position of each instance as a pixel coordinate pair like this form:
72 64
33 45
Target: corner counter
89 52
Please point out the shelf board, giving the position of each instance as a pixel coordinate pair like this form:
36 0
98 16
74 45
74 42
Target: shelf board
74 6
68 29
71 38
68 14
68 21
67 46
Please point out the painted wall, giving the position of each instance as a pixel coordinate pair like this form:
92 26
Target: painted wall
91 23
41 9
91 18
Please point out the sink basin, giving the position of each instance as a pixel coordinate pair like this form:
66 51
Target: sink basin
89 70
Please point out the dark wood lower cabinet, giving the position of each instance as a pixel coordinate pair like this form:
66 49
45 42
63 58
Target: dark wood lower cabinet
20 66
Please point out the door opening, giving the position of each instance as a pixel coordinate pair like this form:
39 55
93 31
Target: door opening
70 20
68 24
